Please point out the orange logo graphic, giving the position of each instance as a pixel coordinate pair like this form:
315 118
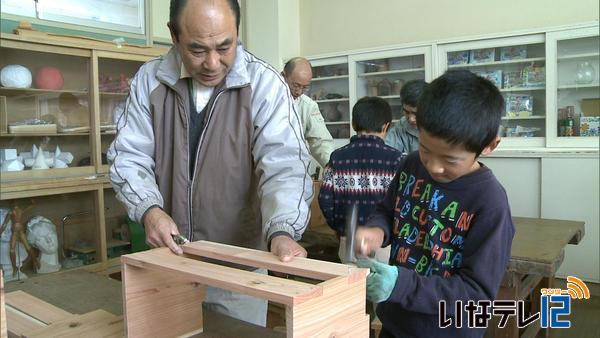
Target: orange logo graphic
576 288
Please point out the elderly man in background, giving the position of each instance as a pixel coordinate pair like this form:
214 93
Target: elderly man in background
297 72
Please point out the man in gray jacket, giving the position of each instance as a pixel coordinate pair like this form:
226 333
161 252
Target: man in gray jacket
210 146
404 135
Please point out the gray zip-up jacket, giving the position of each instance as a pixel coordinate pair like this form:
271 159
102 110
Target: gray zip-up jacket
250 178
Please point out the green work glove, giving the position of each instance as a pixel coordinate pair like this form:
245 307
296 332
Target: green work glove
381 280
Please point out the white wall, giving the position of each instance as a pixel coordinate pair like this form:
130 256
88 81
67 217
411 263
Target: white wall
341 25
272 29
570 190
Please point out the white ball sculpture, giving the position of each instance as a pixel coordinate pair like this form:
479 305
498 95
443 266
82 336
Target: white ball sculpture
15 76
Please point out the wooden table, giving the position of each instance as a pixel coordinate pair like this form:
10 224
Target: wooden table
538 249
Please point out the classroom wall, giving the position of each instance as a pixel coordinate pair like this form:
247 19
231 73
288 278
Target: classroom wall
272 29
341 25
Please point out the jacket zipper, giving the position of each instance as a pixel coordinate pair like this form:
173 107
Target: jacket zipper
212 108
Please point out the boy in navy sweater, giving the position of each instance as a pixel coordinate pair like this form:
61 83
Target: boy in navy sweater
445 215
360 172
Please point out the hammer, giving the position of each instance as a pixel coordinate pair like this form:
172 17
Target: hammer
351 222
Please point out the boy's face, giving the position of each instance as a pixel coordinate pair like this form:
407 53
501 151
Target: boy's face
446 162
411 114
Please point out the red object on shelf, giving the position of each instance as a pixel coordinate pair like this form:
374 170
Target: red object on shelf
49 78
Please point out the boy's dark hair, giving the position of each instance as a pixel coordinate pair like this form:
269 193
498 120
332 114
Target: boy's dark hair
461 108
177 6
370 114
411 92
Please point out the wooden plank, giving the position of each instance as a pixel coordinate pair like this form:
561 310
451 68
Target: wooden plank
159 303
100 225
45 192
275 289
98 323
42 39
31 175
19 323
28 45
541 242
303 267
49 183
341 307
35 307
525 266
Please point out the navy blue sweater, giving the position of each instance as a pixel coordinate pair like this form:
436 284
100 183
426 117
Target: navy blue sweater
450 241
358 173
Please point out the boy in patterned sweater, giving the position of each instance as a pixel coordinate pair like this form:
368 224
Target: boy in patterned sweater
445 215
360 172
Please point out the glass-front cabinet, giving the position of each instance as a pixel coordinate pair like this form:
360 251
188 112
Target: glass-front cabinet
383 74
329 89
115 73
45 109
49 232
58 103
575 95
517 66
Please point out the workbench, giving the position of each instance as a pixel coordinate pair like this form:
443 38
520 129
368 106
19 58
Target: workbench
538 249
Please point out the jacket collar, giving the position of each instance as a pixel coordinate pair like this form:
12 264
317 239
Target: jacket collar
367 138
169 70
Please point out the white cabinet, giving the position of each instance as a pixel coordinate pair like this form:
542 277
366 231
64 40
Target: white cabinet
574 93
517 66
338 82
329 88
384 73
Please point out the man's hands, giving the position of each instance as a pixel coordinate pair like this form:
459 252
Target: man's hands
286 248
368 240
381 280
159 228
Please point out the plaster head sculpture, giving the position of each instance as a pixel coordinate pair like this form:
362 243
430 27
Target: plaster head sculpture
41 233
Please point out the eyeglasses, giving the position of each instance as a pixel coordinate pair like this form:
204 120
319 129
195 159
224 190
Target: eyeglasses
298 87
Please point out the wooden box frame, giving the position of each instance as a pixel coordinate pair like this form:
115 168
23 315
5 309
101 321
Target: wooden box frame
163 292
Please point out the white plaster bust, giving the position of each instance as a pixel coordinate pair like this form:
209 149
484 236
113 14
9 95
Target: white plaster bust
41 233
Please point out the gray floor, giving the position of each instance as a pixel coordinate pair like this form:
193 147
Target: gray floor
75 291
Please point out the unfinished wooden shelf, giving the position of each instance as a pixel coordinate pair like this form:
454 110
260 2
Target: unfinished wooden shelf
163 292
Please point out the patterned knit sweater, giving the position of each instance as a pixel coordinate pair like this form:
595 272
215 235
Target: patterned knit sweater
358 173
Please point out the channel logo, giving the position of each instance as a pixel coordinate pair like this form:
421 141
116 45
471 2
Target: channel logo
576 288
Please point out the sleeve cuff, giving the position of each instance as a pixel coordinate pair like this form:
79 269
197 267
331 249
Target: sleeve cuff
280 229
143 207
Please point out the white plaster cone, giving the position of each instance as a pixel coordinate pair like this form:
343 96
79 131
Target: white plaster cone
58 163
34 151
57 152
40 161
